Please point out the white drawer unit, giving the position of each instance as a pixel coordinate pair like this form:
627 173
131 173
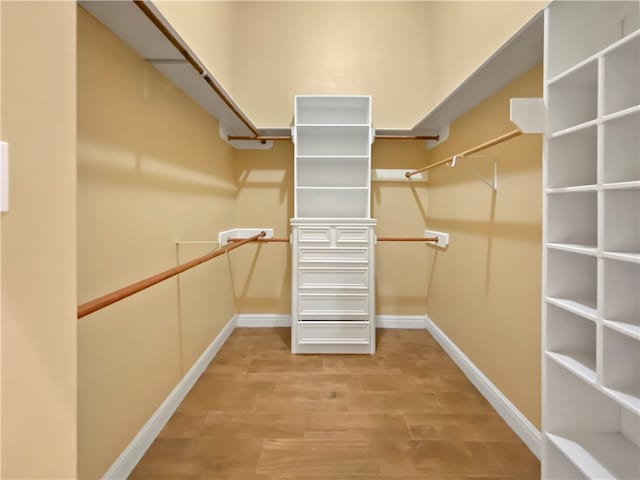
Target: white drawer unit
332 252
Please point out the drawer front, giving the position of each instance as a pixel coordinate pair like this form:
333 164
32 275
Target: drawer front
333 333
350 235
333 255
315 235
333 307
315 277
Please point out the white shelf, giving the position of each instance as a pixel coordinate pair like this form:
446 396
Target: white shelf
622 76
572 280
630 329
332 140
322 171
581 364
573 98
621 303
577 188
575 248
321 126
574 129
623 257
557 466
572 218
622 221
573 159
332 202
600 455
325 188
632 185
586 310
621 368
622 148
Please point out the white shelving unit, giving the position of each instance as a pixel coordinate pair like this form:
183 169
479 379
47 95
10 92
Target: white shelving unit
333 262
591 265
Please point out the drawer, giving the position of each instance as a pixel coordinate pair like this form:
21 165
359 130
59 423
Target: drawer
318 277
350 235
333 307
333 333
314 235
328 255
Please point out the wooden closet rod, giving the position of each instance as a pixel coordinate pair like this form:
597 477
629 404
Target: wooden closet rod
407 239
183 51
265 138
478 148
113 297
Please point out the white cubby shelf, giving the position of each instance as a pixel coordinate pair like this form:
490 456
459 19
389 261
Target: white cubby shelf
591 232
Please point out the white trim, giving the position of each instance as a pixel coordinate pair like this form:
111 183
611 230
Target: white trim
263 320
129 458
529 434
401 321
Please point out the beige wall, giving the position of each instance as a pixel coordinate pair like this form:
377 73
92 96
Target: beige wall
39 328
151 170
407 55
484 290
207 28
464 34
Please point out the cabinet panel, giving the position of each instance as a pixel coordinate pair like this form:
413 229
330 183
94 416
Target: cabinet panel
350 235
334 333
335 306
333 277
333 255
314 235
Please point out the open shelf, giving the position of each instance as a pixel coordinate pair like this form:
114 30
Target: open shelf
573 98
333 171
332 202
572 280
622 149
573 159
332 140
557 465
582 29
572 218
600 455
622 76
621 368
571 341
322 110
622 221
621 304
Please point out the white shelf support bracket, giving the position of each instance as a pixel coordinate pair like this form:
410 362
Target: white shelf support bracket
224 236
528 114
443 238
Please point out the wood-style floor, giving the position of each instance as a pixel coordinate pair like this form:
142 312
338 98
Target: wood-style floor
407 412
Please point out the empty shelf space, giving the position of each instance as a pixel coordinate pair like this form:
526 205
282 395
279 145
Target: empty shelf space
558 466
622 148
621 368
573 98
572 218
572 280
622 76
581 364
622 221
321 110
621 303
573 159
600 455
583 29
332 202
333 171
331 140
571 341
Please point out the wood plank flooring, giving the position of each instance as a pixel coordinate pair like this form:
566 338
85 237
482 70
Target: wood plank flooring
407 412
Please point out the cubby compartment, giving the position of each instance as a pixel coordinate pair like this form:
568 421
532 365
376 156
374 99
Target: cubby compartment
573 159
621 368
573 98
622 221
572 282
621 309
572 218
334 141
589 428
622 148
332 110
622 77
332 202
571 341
557 465
579 30
333 171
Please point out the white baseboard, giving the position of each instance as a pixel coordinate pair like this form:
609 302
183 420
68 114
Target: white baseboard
262 320
129 458
401 321
529 434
